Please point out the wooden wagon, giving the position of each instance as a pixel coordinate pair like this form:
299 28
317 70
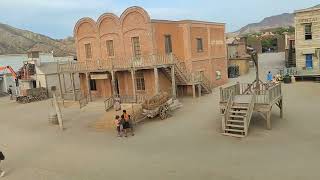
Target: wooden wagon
160 105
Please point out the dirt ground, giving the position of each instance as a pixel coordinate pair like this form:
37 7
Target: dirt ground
188 145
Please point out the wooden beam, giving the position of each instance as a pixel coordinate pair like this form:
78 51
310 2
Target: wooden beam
268 118
133 78
156 80
73 86
194 90
64 83
88 86
173 81
60 88
199 90
113 83
281 108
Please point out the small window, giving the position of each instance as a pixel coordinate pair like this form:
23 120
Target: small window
308 31
88 51
199 45
218 75
136 46
140 81
110 49
168 44
93 85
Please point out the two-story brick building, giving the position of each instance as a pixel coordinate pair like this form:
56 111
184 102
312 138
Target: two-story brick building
134 55
307 39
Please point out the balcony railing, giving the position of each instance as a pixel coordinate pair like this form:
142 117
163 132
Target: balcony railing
118 63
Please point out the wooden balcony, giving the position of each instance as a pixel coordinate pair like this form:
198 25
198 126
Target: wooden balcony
118 64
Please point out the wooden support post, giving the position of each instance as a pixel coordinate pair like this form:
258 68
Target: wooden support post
133 78
58 110
64 83
173 81
281 108
73 87
113 83
156 80
194 90
199 90
88 86
268 118
60 88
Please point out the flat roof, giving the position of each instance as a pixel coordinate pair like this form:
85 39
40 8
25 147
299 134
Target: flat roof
307 10
186 21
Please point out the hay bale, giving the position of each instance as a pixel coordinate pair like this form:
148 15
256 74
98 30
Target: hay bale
156 101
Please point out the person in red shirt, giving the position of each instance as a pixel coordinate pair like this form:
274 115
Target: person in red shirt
118 124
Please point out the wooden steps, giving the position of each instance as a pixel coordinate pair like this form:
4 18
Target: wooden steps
235 121
233 135
235 124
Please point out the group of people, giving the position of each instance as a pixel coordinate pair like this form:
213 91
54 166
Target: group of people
123 124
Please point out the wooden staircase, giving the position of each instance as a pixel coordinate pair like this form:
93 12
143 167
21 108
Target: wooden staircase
184 77
236 117
235 125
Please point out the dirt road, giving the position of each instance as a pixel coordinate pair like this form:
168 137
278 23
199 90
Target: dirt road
186 146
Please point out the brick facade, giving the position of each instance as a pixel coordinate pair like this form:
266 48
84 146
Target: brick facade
135 22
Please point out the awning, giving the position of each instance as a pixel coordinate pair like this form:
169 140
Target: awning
99 76
308 51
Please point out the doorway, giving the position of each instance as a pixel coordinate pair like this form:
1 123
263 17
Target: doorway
309 62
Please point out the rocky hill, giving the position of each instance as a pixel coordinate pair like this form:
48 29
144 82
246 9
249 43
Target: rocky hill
17 41
283 20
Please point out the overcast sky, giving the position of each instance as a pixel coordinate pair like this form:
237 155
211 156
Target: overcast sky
56 18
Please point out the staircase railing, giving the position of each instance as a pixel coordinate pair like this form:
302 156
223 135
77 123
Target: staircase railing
249 113
226 113
108 103
182 69
206 82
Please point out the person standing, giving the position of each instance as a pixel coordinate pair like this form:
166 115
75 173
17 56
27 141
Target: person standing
128 123
10 92
1 159
118 124
269 77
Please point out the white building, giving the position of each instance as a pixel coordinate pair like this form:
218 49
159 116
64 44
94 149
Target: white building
45 74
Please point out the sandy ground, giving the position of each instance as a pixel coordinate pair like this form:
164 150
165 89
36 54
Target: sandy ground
186 146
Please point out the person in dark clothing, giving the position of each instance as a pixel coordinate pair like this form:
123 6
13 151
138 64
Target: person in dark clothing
128 122
10 92
1 159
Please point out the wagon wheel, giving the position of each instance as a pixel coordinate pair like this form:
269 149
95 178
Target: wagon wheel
163 111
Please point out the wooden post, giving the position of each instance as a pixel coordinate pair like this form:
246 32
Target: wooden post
88 86
60 88
133 82
113 83
281 108
64 83
194 90
269 120
73 87
199 90
58 111
156 80
173 81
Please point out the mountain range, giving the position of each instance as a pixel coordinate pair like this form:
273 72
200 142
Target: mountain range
17 41
284 20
